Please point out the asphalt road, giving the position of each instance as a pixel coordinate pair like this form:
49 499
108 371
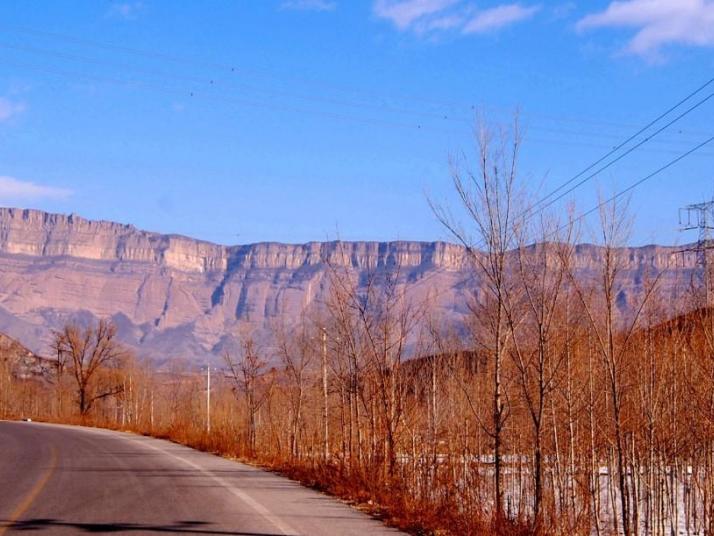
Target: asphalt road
72 480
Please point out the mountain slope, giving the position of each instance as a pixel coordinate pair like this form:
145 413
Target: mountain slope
21 362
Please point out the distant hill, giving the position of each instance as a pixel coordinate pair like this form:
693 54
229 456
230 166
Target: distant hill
21 362
173 296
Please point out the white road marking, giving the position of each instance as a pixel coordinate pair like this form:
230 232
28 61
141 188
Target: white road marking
284 528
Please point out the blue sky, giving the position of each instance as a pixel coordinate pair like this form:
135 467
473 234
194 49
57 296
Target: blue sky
298 120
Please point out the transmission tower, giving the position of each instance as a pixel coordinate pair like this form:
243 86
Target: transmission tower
700 216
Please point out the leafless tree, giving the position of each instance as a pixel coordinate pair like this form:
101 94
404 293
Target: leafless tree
250 377
537 351
87 351
612 333
296 352
490 196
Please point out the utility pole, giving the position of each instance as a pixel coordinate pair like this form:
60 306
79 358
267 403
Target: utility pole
700 216
208 399
326 439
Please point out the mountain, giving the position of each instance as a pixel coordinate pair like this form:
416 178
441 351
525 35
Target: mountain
174 296
21 362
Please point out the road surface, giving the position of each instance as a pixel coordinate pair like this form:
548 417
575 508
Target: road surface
71 480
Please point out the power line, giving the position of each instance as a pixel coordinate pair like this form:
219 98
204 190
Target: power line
226 67
532 211
624 143
633 186
228 99
213 84
529 213
585 214
136 83
221 67
197 96
366 100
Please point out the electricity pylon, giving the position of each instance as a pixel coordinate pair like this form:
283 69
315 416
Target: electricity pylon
700 216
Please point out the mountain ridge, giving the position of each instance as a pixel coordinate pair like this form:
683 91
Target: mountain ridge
175 296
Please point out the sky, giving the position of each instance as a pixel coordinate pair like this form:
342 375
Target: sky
299 120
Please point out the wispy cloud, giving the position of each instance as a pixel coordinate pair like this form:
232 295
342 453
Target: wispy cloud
12 188
404 13
658 23
496 18
309 5
125 10
9 109
440 24
429 16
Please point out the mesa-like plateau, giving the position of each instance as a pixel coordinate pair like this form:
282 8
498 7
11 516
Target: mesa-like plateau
176 297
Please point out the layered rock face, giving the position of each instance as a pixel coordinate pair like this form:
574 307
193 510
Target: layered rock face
173 296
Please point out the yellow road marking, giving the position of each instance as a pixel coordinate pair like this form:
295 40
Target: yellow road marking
32 495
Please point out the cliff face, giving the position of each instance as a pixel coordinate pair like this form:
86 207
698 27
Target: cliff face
174 296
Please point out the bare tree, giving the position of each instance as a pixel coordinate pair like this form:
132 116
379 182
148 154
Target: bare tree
342 330
612 333
387 321
490 198
296 353
250 377
89 350
536 353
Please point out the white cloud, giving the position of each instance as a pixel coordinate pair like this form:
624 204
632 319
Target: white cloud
657 23
9 109
125 10
496 18
429 16
403 13
309 5
12 188
441 23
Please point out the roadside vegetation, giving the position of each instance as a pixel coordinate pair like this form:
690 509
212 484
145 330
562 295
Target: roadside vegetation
552 409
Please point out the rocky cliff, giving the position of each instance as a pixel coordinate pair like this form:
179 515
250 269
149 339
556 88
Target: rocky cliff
21 363
173 296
